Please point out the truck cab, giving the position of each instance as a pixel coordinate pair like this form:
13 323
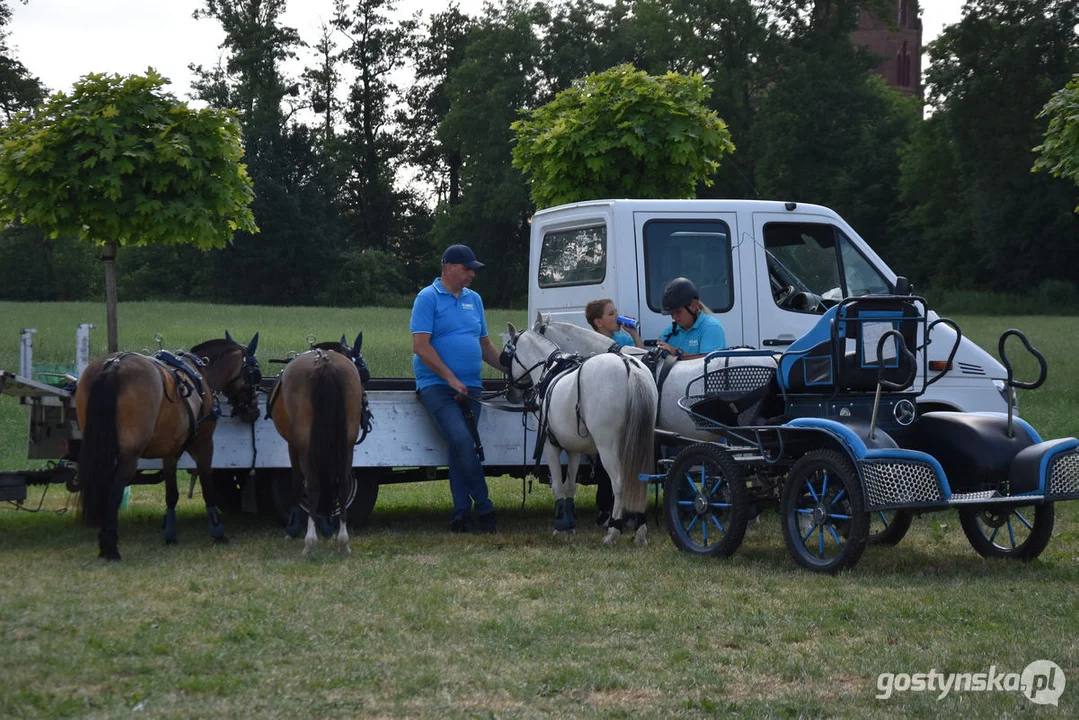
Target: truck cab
766 269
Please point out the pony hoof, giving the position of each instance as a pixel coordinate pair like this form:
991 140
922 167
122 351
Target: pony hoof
307 550
612 537
346 549
171 541
111 555
641 536
222 540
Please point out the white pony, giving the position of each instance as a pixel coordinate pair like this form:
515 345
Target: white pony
575 339
605 406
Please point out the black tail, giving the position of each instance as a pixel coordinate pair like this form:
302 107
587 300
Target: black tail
99 450
329 450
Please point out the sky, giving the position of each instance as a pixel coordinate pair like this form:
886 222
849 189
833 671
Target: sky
59 41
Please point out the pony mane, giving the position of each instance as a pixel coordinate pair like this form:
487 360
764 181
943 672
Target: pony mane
333 345
212 350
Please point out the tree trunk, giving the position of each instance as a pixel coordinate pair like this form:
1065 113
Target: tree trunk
109 259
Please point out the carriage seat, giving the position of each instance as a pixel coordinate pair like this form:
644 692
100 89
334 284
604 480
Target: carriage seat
736 389
973 449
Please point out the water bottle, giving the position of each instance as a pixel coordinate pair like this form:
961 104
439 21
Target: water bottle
628 322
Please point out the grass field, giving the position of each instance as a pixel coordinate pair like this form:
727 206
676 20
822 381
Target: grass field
421 623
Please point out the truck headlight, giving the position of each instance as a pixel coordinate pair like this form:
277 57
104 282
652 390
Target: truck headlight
1007 393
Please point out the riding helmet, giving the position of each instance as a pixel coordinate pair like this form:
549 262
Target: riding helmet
679 292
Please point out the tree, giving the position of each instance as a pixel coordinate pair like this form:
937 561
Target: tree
621 132
1059 153
120 161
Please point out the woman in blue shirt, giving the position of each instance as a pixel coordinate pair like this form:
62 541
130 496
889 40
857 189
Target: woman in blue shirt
603 318
693 332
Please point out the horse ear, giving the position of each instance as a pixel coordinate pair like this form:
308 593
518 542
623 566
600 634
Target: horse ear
539 320
344 341
228 337
359 342
253 345
512 330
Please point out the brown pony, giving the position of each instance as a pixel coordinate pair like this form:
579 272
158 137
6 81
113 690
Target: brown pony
318 407
132 406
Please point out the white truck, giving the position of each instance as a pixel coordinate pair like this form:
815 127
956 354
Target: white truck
767 270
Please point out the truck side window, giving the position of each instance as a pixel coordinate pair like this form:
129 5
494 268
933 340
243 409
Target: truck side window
574 257
696 249
803 266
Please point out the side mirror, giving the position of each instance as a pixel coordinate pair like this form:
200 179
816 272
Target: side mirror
903 286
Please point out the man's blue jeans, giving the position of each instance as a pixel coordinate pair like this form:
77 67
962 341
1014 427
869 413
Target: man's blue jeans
467 481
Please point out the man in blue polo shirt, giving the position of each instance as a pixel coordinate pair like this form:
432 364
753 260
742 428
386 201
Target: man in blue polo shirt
449 339
693 333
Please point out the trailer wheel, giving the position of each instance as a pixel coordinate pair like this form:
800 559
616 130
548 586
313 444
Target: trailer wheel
825 524
276 487
705 503
364 498
1013 532
888 527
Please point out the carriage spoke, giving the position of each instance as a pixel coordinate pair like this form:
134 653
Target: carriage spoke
993 537
816 497
719 481
836 536
692 523
1023 520
824 488
719 525
883 518
720 505
839 496
689 480
804 511
808 534
820 534
1011 533
704 533
839 517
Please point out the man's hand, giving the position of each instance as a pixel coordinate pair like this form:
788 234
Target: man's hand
459 387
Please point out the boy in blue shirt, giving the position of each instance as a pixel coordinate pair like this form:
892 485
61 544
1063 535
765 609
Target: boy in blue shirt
449 339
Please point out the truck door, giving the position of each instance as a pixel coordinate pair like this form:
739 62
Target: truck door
699 246
805 264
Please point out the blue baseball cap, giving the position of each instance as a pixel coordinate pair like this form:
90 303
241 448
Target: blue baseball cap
461 255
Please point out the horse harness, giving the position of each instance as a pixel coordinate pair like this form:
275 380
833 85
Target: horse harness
186 380
366 416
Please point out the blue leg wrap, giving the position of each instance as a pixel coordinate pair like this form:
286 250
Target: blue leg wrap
170 526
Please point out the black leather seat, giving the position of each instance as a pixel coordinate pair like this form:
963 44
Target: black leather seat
974 450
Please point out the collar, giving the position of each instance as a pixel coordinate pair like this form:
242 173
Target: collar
437 285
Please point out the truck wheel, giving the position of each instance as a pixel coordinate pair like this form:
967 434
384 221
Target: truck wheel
825 524
888 527
275 488
705 503
363 502
1012 532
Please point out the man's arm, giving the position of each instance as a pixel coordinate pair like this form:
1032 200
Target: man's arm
421 345
491 354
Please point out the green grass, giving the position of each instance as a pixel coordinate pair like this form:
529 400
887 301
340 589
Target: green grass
417 622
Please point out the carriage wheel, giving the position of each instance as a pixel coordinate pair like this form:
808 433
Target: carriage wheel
1019 533
825 524
888 527
705 502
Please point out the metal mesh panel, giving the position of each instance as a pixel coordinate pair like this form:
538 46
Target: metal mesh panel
737 378
1064 475
897 482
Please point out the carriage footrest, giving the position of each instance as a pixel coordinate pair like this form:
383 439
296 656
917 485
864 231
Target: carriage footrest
969 497
991 497
646 478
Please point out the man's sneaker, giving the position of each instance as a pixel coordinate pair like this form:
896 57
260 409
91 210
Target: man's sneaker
486 524
461 524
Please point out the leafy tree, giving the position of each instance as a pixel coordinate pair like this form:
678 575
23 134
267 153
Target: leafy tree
621 132
1059 152
120 161
19 90
990 76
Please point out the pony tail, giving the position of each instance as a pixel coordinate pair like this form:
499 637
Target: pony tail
639 450
99 450
329 451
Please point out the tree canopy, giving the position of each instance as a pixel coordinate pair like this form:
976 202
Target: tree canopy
1059 153
622 133
120 160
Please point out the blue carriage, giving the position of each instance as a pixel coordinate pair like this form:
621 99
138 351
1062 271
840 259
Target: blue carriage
828 430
